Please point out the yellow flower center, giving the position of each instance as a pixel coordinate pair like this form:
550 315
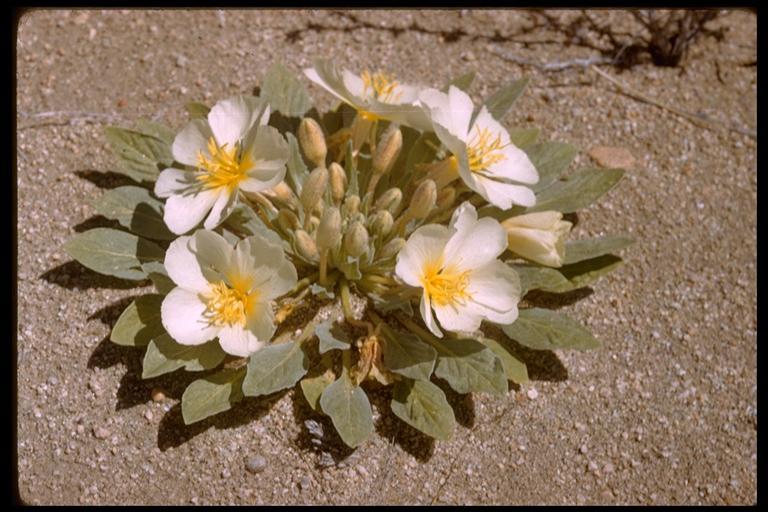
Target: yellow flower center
227 306
382 85
225 168
445 286
484 150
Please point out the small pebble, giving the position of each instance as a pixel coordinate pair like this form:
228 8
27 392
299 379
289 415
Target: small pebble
100 432
305 482
158 395
148 415
532 394
255 464
315 429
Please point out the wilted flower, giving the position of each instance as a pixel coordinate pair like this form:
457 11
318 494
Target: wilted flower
538 236
457 269
483 155
224 291
229 151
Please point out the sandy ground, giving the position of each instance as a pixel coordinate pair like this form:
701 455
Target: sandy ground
665 413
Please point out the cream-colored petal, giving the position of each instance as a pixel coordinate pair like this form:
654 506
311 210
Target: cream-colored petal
495 292
426 314
536 220
185 211
238 341
456 318
171 181
213 252
261 321
190 141
504 195
424 246
182 315
231 119
476 242
182 266
221 208
515 166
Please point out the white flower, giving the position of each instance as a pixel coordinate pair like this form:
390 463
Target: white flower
483 155
374 95
539 236
457 269
229 151
224 291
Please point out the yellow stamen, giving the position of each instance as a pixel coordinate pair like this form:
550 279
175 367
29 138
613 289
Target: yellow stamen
484 150
445 286
382 85
225 168
228 306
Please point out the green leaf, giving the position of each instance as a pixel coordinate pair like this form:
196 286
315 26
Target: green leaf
523 137
469 366
212 394
514 369
297 169
113 252
349 410
139 323
332 337
463 82
499 103
159 276
275 367
550 160
246 222
423 151
158 130
317 380
404 353
197 110
533 277
284 92
579 190
579 250
586 272
164 355
136 209
350 165
139 154
543 329
423 406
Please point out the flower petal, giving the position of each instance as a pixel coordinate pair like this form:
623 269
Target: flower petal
495 292
171 181
457 318
504 195
426 314
261 321
238 341
213 253
424 246
181 314
327 76
221 208
185 211
231 119
515 166
190 141
353 84
476 242
182 266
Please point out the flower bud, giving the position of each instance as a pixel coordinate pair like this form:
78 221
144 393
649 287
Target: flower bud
329 230
305 246
351 206
381 223
538 236
445 198
312 141
387 151
313 190
356 240
338 182
389 200
423 199
288 220
283 193
390 249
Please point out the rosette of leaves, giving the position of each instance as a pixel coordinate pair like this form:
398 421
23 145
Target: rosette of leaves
332 362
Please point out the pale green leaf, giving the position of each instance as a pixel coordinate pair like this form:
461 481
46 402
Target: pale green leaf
499 103
463 82
155 270
134 208
197 110
331 336
579 190
404 353
275 367
586 272
544 329
164 355
523 137
580 250
349 410
212 394
139 323
469 366
533 277
113 252
423 406
514 369
158 130
317 379
550 160
244 221
139 154
297 170
284 92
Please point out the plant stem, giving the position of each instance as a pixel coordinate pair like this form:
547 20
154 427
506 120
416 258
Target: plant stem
423 333
323 267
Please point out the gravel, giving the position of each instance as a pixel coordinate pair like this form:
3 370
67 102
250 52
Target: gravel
669 401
